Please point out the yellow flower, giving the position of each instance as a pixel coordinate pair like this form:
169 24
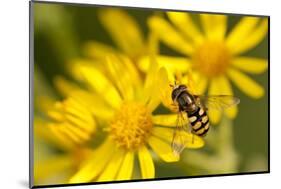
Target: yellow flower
125 33
214 56
60 133
65 127
68 123
125 105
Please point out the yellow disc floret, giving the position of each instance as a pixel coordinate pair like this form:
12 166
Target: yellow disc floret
131 126
211 58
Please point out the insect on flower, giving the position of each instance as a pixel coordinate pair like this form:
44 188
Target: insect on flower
195 106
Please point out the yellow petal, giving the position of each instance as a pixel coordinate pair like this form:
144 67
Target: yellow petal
193 141
153 44
64 86
153 102
146 163
226 89
95 164
68 133
149 80
132 71
165 90
162 149
185 24
169 36
60 138
231 112
158 86
223 87
77 113
167 99
123 29
126 169
241 30
55 115
172 64
214 26
112 167
252 39
81 134
97 50
169 120
129 82
122 81
245 84
94 103
166 134
250 64
42 130
72 119
72 105
214 89
98 82
200 83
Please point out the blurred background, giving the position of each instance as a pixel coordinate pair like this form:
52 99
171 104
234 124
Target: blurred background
61 31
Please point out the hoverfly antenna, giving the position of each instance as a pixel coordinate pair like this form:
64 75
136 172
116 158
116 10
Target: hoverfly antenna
175 84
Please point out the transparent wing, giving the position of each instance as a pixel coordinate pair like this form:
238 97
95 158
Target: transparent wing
218 102
179 139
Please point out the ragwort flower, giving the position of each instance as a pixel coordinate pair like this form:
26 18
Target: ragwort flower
65 127
68 123
126 104
125 33
213 57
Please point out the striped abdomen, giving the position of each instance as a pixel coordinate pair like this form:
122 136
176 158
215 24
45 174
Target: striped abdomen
199 122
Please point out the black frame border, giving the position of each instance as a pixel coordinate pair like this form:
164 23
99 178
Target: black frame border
31 92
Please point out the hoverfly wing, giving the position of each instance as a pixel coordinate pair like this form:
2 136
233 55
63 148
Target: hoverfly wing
218 102
179 139
178 142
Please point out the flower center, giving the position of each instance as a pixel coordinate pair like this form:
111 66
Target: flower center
211 58
131 126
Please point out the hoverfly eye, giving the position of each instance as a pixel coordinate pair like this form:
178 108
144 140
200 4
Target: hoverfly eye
174 94
182 87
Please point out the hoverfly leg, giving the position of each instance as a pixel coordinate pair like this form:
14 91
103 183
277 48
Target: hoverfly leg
173 104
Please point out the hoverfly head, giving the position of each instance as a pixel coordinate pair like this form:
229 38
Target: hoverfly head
177 90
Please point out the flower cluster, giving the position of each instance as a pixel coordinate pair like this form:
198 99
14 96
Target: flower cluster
110 124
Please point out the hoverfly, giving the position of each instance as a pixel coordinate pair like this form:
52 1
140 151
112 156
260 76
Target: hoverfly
195 107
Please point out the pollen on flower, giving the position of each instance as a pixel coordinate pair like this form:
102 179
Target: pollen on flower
131 126
211 58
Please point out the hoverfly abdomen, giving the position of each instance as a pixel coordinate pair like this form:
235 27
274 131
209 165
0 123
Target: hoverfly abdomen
199 121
